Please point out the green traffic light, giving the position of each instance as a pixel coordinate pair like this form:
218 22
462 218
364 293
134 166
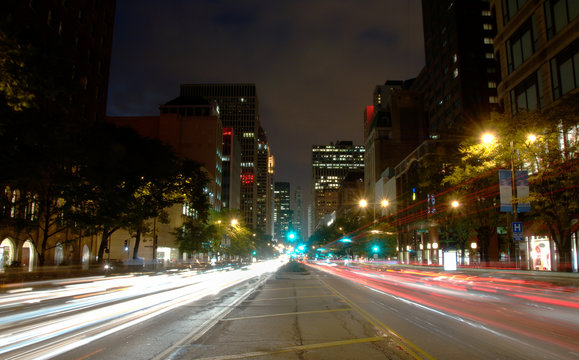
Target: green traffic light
375 249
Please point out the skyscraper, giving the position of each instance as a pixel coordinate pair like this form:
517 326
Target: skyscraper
459 81
239 109
330 165
282 212
298 213
231 187
264 195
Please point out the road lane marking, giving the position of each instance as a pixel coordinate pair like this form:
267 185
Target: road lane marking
406 344
207 325
292 297
293 287
286 314
296 348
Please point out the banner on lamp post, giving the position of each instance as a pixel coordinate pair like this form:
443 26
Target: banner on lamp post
523 191
506 190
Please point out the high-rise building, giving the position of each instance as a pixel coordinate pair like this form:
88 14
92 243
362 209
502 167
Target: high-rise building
238 109
282 213
330 165
459 90
459 82
298 213
264 195
231 188
537 44
394 126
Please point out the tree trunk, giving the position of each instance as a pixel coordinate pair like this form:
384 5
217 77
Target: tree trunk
137 242
564 253
103 245
484 235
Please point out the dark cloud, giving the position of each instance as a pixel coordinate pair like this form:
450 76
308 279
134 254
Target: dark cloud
315 63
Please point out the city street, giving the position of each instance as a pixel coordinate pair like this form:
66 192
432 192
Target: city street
333 311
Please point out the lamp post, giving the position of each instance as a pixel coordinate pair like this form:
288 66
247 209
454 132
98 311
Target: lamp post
489 138
364 204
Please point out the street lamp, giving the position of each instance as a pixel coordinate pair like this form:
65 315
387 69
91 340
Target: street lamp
383 203
488 138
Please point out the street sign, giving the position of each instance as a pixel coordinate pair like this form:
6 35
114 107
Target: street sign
517 231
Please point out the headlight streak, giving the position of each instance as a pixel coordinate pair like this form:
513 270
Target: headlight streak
134 300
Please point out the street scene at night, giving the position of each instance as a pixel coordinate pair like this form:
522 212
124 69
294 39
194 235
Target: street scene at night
394 179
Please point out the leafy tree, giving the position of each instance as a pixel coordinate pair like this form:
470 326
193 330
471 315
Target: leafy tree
551 158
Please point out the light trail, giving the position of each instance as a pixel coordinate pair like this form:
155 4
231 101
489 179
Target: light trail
44 323
533 311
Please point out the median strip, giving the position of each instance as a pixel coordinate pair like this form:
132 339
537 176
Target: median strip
295 348
286 314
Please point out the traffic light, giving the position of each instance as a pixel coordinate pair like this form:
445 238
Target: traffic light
375 248
126 245
254 252
291 236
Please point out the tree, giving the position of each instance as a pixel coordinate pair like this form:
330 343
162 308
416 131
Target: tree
551 156
109 175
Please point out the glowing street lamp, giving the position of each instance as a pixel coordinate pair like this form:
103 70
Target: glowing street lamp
488 138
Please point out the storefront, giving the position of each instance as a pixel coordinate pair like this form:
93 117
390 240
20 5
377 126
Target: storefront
540 253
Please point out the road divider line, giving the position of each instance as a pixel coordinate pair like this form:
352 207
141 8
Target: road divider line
292 297
404 343
291 288
286 314
207 325
295 348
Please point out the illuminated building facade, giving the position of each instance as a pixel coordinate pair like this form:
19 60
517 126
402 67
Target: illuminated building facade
231 187
238 109
282 213
298 221
263 179
330 165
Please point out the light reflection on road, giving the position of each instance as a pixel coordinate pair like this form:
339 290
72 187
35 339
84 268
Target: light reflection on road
540 312
46 322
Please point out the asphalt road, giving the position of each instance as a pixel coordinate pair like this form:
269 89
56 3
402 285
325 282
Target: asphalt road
331 312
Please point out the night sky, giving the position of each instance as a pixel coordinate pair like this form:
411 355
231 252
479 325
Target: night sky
315 63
